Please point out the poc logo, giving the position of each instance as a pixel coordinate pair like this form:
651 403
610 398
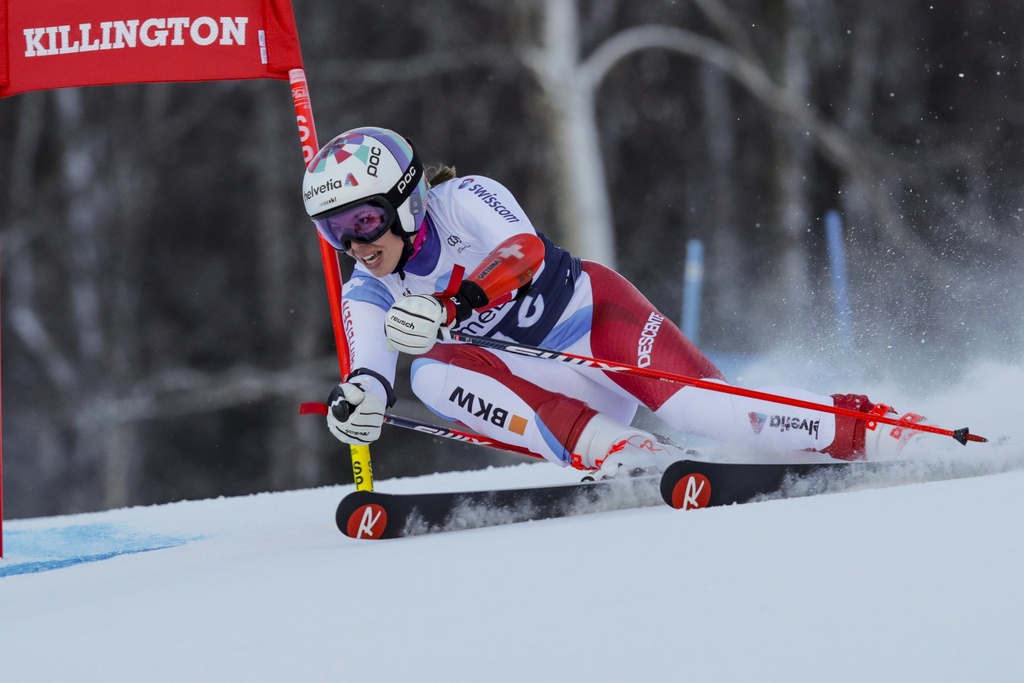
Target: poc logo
409 176
373 163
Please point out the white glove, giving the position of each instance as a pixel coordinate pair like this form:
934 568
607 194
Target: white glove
413 322
353 415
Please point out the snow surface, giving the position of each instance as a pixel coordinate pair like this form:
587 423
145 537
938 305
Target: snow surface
914 582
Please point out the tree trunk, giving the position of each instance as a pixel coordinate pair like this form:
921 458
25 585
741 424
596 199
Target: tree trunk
584 211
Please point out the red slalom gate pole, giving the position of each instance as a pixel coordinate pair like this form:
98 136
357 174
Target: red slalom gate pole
362 469
1 476
961 435
332 273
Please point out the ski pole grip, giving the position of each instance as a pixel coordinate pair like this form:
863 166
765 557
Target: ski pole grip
362 468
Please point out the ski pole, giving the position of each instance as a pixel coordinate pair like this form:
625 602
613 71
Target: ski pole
433 430
961 435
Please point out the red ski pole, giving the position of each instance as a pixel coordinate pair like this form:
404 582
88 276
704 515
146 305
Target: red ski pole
961 435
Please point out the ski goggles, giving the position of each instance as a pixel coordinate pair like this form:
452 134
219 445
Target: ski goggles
361 221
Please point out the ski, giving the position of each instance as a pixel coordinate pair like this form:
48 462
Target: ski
686 484
376 515
692 484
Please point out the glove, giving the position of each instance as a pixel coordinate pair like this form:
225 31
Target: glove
353 415
413 322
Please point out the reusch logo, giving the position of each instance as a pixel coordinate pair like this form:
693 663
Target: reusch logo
404 323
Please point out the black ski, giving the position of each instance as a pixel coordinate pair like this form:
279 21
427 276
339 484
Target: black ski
690 484
686 484
374 515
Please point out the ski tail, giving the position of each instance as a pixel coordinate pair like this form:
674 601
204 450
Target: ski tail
692 484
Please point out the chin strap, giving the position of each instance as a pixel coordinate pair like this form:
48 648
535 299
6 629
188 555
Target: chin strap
406 255
411 244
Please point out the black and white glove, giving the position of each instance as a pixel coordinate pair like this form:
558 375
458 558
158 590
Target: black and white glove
413 323
353 415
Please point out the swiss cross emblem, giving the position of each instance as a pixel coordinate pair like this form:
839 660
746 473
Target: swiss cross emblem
511 250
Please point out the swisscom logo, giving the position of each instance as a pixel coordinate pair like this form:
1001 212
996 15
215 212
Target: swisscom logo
490 199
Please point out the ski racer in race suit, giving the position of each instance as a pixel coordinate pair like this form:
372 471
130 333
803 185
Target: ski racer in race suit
460 253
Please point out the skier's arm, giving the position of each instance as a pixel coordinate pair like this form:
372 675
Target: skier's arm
365 303
413 322
357 405
508 268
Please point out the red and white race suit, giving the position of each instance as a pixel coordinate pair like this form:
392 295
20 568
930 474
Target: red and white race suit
575 306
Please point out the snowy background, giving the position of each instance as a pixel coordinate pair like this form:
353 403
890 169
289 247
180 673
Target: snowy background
916 582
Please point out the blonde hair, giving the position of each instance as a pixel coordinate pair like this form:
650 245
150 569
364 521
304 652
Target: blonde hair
440 174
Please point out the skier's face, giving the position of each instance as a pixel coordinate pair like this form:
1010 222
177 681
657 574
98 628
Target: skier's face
380 256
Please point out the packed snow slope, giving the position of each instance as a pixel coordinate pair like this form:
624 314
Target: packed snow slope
919 582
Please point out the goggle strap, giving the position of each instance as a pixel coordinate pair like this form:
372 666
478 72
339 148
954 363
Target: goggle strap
397 197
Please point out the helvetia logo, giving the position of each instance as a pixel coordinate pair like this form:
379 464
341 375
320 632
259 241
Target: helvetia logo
45 41
783 423
323 188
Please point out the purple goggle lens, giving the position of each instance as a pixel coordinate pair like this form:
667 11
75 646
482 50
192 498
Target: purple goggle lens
364 222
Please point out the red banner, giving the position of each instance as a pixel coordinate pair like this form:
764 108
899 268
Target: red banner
63 43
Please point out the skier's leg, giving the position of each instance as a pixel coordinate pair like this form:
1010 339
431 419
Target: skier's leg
512 399
627 328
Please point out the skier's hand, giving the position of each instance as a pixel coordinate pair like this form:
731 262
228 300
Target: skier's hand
413 322
353 415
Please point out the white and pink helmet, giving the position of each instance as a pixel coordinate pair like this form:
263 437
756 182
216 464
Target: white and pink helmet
363 183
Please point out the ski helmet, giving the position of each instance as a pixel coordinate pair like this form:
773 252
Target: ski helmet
363 183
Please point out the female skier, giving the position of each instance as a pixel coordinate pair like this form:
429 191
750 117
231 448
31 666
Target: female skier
459 253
